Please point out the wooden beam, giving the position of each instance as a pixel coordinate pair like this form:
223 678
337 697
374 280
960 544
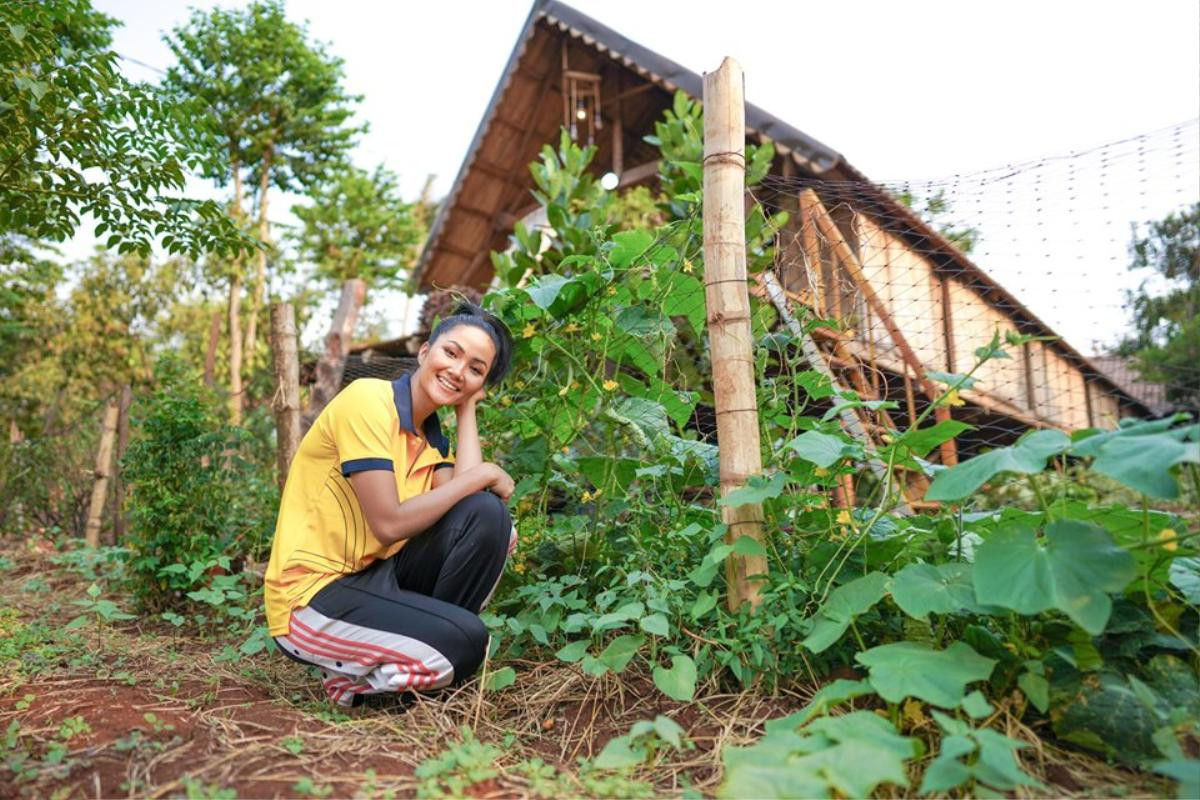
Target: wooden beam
948 324
455 250
638 174
471 211
850 263
628 93
489 169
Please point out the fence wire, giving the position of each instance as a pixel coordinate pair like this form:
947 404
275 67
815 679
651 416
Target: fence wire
919 275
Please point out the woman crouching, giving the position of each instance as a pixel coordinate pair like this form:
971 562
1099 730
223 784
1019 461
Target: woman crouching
387 546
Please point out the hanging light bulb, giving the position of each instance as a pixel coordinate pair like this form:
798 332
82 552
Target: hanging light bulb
581 110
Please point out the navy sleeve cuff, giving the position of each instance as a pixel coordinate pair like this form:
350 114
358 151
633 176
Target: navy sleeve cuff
443 465
364 464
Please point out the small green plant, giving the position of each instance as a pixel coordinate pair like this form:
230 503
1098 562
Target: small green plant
457 768
293 744
639 746
306 787
196 790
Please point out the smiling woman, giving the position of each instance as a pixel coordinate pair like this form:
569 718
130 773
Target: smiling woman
387 545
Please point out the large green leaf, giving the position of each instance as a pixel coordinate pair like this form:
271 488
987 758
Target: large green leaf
822 449
843 605
678 682
1144 462
850 755
756 490
1028 456
621 650
940 677
826 698
1187 774
1072 568
920 589
1185 576
919 441
628 245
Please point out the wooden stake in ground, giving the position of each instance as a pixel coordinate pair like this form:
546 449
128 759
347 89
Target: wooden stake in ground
727 302
108 434
337 347
287 385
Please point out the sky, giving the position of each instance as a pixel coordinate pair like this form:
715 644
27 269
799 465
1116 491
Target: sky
915 92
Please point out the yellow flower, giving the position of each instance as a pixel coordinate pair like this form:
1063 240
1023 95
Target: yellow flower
506 401
1167 537
952 399
529 330
610 385
913 715
611 291
687 266
565 450
586 497
596 337
844 518
570 327
519 567
597 493
519 384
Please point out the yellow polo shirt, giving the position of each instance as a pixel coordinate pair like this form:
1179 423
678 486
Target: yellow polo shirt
321 533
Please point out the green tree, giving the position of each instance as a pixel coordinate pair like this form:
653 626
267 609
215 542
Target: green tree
277 104
1165 340
77 138
359 227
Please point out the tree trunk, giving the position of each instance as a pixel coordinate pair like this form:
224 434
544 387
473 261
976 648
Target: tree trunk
235 316
727 303
287 385
210 355
235 350
337 345
118 478
108 432
260 278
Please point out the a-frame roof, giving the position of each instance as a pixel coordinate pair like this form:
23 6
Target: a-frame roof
492 188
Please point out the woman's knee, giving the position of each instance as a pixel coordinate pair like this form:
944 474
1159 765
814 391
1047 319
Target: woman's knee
486 516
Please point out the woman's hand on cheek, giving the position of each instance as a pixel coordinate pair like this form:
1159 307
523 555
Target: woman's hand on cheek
473 400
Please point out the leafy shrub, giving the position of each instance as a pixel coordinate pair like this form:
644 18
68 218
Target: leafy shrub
197 505
47 481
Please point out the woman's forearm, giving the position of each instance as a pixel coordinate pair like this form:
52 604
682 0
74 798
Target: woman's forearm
467 452
391 520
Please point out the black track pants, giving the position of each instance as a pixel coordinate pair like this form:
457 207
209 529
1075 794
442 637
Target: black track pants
410 621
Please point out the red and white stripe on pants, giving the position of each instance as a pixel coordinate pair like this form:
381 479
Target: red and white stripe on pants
357 660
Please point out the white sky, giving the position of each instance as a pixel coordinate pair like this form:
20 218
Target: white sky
912 91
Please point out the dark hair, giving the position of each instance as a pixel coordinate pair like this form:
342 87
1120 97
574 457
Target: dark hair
467 313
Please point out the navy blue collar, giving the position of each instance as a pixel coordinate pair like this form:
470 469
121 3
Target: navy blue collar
432 428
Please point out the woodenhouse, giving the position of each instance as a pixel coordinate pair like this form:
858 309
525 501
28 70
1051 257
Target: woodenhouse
909 301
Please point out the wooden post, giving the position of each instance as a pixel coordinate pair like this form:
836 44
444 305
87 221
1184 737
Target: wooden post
337 346
727 302
287 385
108 433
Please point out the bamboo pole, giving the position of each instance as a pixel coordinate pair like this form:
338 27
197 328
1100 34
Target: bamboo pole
210 355
108 433
850 263
728 315
287 385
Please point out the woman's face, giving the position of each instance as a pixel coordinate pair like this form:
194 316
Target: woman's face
455 365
